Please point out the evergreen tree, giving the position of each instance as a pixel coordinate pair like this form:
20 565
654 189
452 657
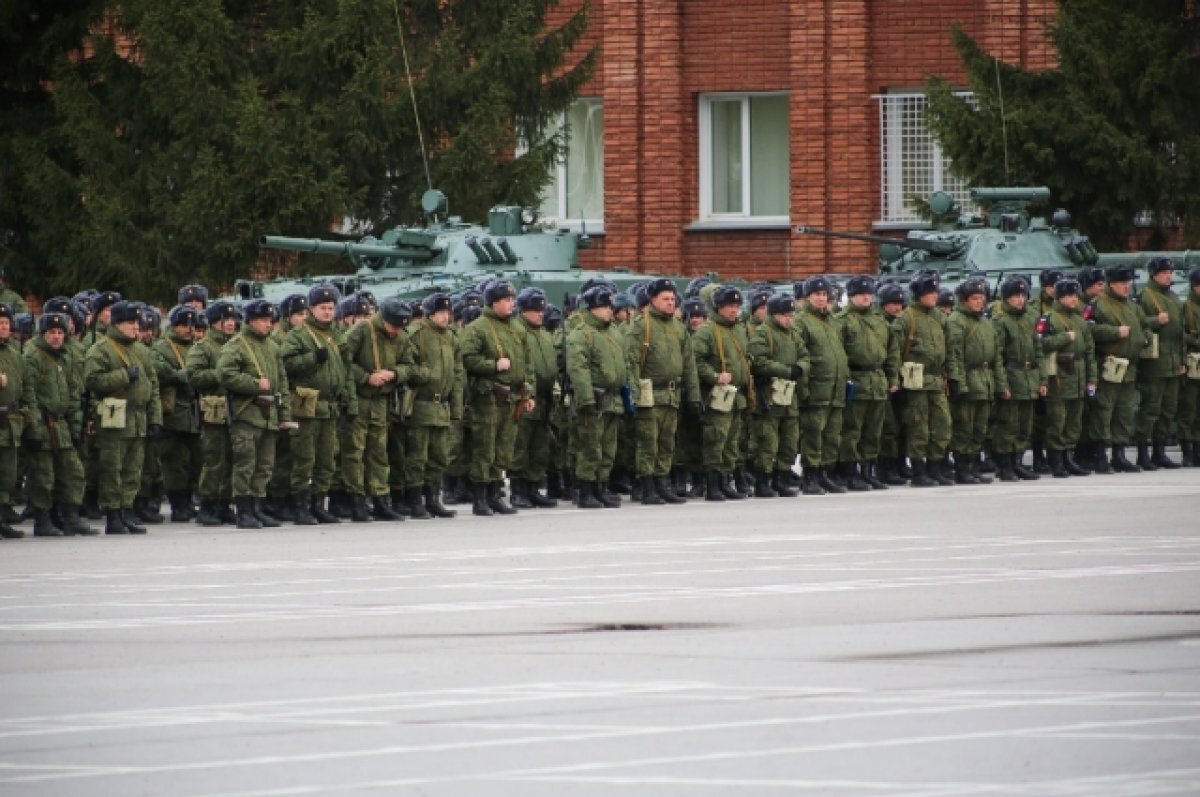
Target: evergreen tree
149 144
1114 130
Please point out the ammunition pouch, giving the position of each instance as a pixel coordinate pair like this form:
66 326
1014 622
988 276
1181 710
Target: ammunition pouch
1150 350
265 405
645 393
167 397
1113 369
912 376
598 394
501 392
214 410
1193 365
112 413
722 398
783 391
401 402
304 402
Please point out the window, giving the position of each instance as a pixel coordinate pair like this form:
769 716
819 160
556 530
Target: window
911 163
576 190
744 157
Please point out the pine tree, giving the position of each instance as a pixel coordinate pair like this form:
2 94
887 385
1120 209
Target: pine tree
167 137
1114 130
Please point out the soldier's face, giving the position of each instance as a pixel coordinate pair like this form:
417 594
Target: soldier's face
1121 288
603 313
1070 301
1094 290
1016 301
784 320
261 325
975 302
54 338
440 319
893 308
818 300
1163 278
296 319
128 328
5 328
323 312
195 304
861 300
730 312
695 321
535 317
504 307
928 300
622 315
227 325
760 313
184 331
105 316
664 302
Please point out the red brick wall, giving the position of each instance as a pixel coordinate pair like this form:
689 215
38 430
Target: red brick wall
658 56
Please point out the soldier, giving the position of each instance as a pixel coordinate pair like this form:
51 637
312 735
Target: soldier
864 333
780 362
689 444
149 496
380 359
662 370
437 383
918 345
531 457
1119 329
55 470
1158 377
194 296
201 361
945 301
597 368
17 404
179 447
9 297
251 372
1021 380
1066 340
723 368
497 362
893 470
126 409
1046 295
279 504
1189 398
823 406
973 373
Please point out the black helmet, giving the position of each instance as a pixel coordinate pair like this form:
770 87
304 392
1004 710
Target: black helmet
817 283
531 299
1013 285
890 293
1067 286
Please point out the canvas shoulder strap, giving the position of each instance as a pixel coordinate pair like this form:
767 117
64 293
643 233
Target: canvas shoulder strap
647 321
253 359
912 332
178 352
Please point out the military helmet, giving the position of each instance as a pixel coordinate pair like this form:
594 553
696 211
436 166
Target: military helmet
292 304
1067 286
259 308
435 303
1050 277
972 287
1157 264
1013 285
923 284
889 293
818 283
597 296
781 303
1090 275
323 293
220 311
1119 273
497 290
531 299
726 295
182 316
54 320
193 293
860 283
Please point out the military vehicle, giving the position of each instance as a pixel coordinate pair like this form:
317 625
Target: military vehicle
447 255
1005 239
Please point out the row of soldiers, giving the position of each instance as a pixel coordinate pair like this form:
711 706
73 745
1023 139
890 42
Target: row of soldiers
325 407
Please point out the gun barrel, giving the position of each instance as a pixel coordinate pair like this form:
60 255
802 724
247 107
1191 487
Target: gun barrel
352 250
941 247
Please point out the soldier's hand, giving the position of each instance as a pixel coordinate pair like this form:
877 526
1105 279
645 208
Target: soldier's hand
1163 318
3 380
1043 391
264 385
1122 332
133 373
1182 370
1091 390
530 405
1005 394
797 373
1070 334
503 364
182 374
379 378
893 388
724 378
322 355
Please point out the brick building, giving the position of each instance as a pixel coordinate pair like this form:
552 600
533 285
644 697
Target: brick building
713 128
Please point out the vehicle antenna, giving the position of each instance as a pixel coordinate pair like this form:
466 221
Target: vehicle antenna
1003 121
412 94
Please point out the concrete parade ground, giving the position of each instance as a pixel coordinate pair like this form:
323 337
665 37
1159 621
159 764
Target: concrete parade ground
1037 639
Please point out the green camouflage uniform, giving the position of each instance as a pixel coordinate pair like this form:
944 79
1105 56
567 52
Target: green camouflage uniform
664 355
774 350
368 348
1020 374
720 346
179 447
1075 363
597 368
918 335
864 333
315 444
18 404
531 457
215 458
1158 378
245 359
437 378
822 408
55 469
1111 416
1189 394
973 373
494 394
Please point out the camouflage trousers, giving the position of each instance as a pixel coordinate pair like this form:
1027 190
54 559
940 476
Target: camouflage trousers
775 443
118 468
1014 425
253 453
427 454
8 474
655 439
1110 414
215 470
969 419
722 440
314 455
55 478
531 456
889 437
927 424
1157 406
1064 424
862 429
179 459
280 484
151 484
820 435
689 444
365 466
493 437
598 433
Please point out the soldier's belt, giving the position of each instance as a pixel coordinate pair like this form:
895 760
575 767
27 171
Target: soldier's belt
979 366
665 385
436 398
866 370
1017 365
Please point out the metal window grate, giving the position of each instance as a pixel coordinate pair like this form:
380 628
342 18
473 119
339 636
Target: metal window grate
911 162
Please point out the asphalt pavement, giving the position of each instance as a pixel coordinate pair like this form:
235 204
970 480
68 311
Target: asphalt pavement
1031 639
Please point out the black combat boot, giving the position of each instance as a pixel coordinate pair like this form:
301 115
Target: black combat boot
340 504
284 509
554 484
586 497
1100 463
433 503
7 515
415 498
1120 463
741 483
903 468
1040 464
398 501
359 512
762 486
181 506
381 509
973 465
871 477
891 472
1144 460
783 485
1058 467
699 485
855 483
1160 458
9 533
1004 467
1019 468
520 493
495 500
91 507
1073 467
649 494
114 523
920 475
43 526
465 492
810 482
225 512
317 507
246 519
620 482
130 519
730 488
479 504
302 507
635 492
146 510
715 491
940 472
610 499
538 499
663 485
679 483
207 516
267 520
73 523
1188 447
826 480
986 463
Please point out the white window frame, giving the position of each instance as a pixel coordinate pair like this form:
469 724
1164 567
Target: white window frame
707 216
893 207
590 225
